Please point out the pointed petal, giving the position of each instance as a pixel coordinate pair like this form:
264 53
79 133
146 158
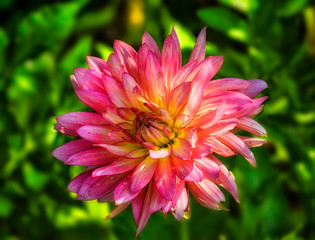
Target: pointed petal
117 210
256 87
180 185
156 201
64 151
221 149
145 214
181 148
58 127
153 47
143 174
165 178
120 165
137 204
182 74
218 129
171 60
238 145
226 178
210 118
199 50
251 126
128 57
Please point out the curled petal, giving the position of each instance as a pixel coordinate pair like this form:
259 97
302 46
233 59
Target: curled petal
181 205
251 126
187 170
98 64
161 153
256 86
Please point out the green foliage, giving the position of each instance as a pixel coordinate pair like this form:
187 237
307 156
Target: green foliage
42 42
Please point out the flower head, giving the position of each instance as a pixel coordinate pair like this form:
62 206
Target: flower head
156 126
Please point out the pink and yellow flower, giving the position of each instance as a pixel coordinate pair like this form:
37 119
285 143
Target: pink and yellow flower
156 127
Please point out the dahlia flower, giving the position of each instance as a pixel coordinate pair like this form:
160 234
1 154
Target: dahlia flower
156 127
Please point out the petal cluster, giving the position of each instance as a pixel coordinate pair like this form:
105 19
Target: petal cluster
156 127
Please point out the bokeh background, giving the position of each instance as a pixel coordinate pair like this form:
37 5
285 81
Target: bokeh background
41 42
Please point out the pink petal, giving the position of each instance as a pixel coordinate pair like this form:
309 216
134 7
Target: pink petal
180 185
178 97
126 114
93 99
248 108
155 79
156 201
73 120
181 205
165 178
145 214
111 116
239 146
218 129
256 87
120 148
76 183
226 178
181 148
98 64
221 149
171 60
208 68
58 127
122 193
183 73
96 187
142 174
137 205
119 165
234 101
89 79
202 150
183 120
253 142
210 118
199 50
161 153
115 92
117 210
153 47
115 67
209 168
187 170
63 152
91 157
206 193
130 85
251 126
128 57
227 84
95 134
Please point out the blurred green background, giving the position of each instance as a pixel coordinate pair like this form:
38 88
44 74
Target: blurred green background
42 41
